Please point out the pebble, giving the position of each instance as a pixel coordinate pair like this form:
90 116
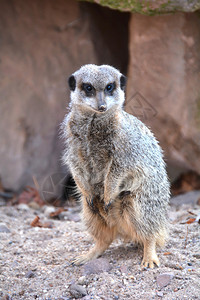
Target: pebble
34 205
164 279
30 274
77 291
23 206
82 280
87 297
124 269
2 202
196 255
74 217
6 297
96 266
4 228
48 210
159 294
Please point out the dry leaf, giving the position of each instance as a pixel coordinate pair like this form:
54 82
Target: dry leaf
167 253
57 212
36 222
192 220
30 194
191 213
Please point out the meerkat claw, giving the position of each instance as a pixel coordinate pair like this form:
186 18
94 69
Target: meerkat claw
150 263
80 260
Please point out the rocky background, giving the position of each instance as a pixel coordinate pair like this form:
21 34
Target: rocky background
43 42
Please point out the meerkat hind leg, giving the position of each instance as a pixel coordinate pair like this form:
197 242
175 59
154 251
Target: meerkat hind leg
93 253
150 257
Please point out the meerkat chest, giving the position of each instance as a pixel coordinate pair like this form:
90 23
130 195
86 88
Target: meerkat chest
93 143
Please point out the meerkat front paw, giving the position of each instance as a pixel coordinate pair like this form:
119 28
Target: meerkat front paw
80 260
149 262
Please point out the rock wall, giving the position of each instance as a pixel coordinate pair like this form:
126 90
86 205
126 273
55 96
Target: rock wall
163 86
42 43
151 7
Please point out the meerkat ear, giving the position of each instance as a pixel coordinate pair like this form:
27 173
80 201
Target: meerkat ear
72 83
123 82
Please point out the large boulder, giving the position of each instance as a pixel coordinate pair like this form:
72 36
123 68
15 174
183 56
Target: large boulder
163 87
42 43
151 7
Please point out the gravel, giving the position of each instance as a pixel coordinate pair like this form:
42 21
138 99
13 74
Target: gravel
35 262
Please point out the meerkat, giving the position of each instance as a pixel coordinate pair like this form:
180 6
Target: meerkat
116 163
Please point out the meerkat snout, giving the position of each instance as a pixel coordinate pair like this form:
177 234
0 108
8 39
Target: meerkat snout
101 104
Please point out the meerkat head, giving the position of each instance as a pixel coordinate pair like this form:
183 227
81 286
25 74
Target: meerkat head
97 88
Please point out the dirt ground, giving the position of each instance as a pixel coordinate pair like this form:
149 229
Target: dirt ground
35 262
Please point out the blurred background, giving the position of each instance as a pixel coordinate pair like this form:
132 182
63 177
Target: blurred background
156 44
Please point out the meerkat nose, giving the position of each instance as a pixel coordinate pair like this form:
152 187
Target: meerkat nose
102 107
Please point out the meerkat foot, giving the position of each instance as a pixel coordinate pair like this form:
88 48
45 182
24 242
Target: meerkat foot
150 257
80 260
95 252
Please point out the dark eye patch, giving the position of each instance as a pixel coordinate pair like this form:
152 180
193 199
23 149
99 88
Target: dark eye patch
88 89
110 88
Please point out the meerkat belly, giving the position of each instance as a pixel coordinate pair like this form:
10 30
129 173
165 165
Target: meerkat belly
90 162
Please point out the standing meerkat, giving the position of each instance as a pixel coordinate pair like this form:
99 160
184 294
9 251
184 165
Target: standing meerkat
116 163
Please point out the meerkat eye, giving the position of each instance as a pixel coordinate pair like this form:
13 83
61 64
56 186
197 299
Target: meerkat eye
110 87
88 88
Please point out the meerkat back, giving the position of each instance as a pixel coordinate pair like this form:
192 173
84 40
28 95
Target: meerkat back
116 163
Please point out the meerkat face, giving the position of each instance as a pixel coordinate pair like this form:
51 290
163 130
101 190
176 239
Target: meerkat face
97 88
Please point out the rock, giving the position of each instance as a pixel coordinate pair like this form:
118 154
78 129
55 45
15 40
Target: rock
164 279
74 217
124 269
6 297
87 297
4 228
23 206
97 266
30 274
2 202
151 7
35 69
77 291
34 205
159 294
48 210
190 198
161 91
83 280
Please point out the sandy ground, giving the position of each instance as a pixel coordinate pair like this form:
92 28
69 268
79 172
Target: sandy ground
35 262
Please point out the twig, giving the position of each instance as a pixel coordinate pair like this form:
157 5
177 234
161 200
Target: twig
186 238
36 183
